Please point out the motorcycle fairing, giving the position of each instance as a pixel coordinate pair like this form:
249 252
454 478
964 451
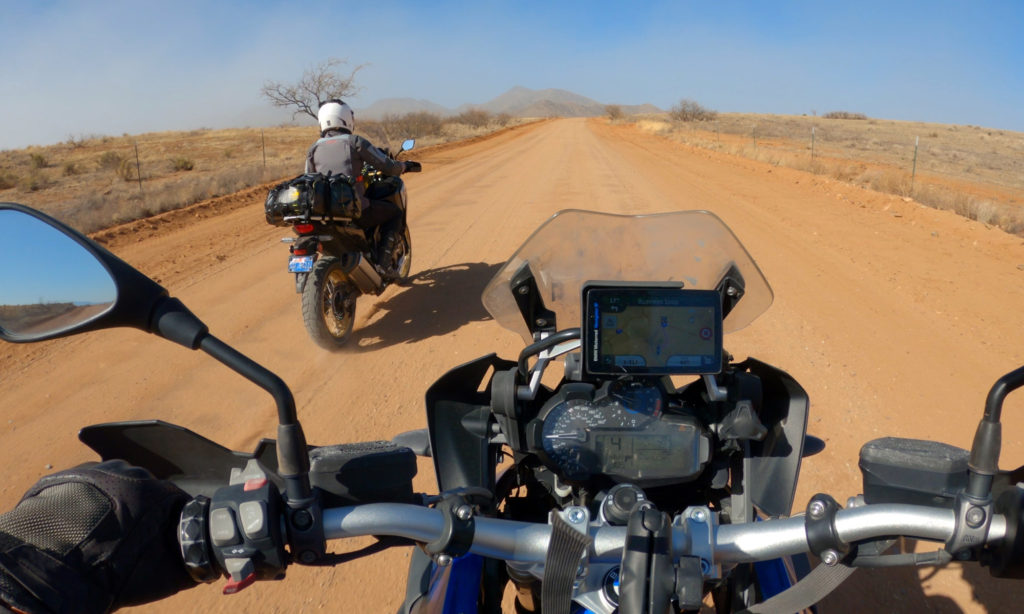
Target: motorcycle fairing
458 418
775 461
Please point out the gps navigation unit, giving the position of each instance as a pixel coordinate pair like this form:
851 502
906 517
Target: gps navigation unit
644 329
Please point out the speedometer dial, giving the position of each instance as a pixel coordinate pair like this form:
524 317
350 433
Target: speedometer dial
583 438
570 431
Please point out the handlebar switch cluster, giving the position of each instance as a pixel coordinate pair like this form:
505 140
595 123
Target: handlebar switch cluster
245 528
820 526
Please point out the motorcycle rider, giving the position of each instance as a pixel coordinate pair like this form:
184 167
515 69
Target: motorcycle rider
92 539
340 152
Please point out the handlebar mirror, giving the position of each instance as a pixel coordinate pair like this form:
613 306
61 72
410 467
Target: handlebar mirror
409 144
55 282
50 283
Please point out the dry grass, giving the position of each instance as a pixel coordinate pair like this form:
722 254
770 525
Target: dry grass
976 172
92 182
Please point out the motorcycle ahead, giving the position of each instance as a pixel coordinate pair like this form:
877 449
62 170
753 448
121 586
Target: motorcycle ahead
654 473
333 259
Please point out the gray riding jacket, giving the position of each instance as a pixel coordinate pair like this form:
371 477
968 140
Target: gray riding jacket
343 153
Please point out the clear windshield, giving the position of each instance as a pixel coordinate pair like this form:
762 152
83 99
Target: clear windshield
573 247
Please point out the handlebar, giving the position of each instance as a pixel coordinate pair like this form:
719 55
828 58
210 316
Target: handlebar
246 525
741 543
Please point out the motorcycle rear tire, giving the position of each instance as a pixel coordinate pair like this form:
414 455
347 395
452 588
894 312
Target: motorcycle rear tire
329 304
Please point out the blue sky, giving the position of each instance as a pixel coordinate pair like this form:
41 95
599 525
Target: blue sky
62 273
83 68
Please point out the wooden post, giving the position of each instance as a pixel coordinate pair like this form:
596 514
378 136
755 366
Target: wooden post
138 165
913 171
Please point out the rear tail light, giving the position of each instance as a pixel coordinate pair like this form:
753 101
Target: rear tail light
300 252
303 229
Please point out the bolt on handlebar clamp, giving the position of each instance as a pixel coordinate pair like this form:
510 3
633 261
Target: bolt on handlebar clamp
973 518
820 527
458 508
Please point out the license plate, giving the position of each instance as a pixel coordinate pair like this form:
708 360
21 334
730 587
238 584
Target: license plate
300 264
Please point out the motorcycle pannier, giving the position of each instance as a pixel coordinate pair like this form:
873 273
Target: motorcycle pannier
313 196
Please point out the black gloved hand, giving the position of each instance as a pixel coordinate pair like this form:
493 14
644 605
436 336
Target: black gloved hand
92 539
412 167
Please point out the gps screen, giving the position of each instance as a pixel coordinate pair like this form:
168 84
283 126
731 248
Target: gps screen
652 331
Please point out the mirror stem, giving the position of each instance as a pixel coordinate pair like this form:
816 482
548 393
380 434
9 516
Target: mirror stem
984 462
292 457
173 321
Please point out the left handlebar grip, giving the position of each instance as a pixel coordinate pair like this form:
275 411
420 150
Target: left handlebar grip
192 537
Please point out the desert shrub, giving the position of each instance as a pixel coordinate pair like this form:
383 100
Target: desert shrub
613 111
38 160
182 163
34 181
844 115
691 111
128 170
71 169
111 160
412 125
503 119
8 181
475 118
890 182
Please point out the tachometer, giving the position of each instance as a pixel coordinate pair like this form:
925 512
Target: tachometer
582 438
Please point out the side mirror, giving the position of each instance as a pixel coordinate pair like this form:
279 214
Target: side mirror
56 282
409 144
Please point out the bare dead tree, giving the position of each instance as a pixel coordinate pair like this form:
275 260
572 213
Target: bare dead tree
318 83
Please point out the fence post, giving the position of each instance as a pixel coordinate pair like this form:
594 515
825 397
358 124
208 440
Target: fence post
138 165
913 171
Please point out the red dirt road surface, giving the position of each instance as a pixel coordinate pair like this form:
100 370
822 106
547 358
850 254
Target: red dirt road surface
896 318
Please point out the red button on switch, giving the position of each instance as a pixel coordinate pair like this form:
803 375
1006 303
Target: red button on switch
233 587
254 484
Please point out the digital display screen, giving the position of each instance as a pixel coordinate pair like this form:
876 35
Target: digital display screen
652 331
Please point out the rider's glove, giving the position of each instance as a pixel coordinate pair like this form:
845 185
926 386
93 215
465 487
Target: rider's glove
412 167
92 539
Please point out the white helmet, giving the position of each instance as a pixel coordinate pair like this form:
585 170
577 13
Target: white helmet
335 115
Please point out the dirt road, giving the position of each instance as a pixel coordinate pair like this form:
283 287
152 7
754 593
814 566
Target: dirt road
896 318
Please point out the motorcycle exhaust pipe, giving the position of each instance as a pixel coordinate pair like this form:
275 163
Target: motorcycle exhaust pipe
361 273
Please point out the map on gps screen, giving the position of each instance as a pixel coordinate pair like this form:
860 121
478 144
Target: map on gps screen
658 336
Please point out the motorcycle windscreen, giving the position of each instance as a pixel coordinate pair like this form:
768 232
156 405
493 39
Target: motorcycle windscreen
573 247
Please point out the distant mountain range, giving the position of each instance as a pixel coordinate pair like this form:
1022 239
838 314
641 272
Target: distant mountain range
518 101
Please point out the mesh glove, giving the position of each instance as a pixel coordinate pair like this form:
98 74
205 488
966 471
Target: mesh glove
412 167
92 539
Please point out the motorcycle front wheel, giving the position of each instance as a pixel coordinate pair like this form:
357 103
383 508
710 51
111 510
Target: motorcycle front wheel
329 304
